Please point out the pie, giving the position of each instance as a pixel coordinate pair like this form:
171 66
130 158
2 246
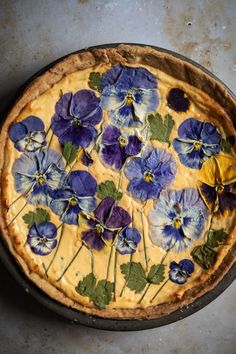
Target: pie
118 178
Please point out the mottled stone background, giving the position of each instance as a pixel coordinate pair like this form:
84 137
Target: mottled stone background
34 33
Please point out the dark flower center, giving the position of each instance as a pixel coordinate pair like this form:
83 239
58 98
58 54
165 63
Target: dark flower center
197 145
148 176
42 240
129 99
122 141
73 202
75 121
41 180
99 229
177 223
219 189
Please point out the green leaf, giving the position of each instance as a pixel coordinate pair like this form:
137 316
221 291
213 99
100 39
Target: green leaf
161 127
86 286
204 256
134 275
69 152
108 189
40 215
227 144
102 295
156 274
216 237
95 81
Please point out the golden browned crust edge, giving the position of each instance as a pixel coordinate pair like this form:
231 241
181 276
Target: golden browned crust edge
123 54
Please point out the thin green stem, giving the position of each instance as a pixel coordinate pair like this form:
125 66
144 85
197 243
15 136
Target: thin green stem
55 254
145 292
92 261
120 179
159 290
109 263
210 226
14 218
70 263
144 239
126 282
115 264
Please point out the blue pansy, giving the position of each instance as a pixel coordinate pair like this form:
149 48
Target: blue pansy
37 175
42 238
197 142
127 240
75 118
150 173
129 94
178 219
76 196
179 272
28 135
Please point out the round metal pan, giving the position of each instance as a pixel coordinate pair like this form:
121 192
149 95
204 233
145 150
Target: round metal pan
93 321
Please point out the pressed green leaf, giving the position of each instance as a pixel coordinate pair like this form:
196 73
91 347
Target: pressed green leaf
156 274
40 215
216 237
69 152
134 275
204 256
102 295
86 286
108 189
95 81
227 144
161 127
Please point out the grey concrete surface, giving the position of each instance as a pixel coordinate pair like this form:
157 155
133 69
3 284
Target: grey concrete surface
34 33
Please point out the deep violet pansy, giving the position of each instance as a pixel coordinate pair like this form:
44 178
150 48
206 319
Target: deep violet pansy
180 272
42 238
128 94
28 135
178 100
75 117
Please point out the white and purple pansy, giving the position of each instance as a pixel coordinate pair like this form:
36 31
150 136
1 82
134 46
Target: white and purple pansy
178 219
75 117
42 238
197 141
180 272
150 173
128 94
28 135
127 240
117 147
37 175
107 220
76 196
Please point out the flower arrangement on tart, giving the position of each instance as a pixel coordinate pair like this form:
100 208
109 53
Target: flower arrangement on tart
118 183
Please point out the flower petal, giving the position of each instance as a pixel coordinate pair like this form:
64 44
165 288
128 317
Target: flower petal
110 135
134 168
92 240
118 218
103 210
83 183
134 145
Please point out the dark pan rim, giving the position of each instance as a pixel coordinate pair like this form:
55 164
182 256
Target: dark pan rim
80 317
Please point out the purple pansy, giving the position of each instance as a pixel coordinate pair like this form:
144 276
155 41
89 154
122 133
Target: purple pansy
129 94
107 220
197 142
127 240
150 173
178 219
117 147
75 118
180 272
76 196
86 159
42 238
28 135
37 175
177 100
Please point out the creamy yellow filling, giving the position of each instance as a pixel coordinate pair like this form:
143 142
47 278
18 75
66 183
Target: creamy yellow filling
44 106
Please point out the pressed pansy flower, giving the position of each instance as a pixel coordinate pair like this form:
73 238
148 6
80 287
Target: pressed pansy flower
217 183
76 196
75 118
116 148
150 173
86 159
129 94
178 219
180 272
197 141
107 220
28 135
42 238
127 240
178 100
37 175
